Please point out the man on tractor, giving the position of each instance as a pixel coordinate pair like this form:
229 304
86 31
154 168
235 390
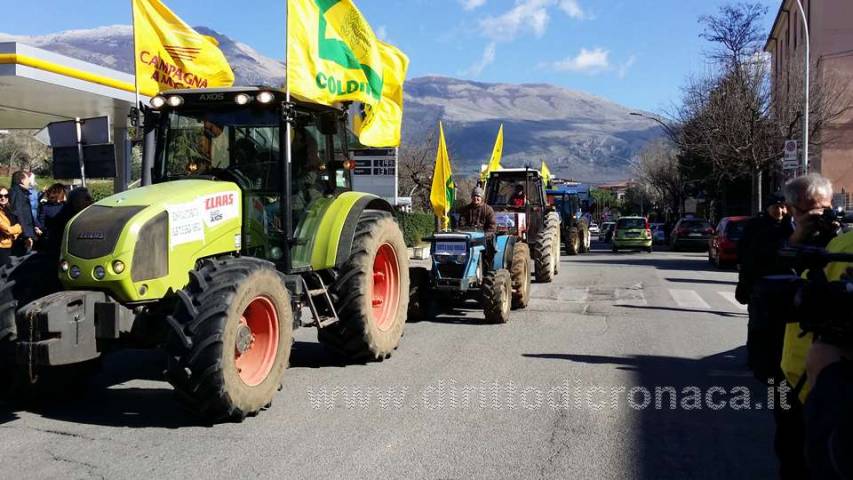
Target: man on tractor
477 215
518 199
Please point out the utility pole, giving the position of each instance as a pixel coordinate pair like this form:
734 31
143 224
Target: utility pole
806 108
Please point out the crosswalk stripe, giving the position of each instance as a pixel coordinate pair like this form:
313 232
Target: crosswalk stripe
688 299
730 296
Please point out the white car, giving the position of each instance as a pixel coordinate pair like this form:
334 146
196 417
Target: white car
593 229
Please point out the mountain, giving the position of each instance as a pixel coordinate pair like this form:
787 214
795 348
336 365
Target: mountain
580 135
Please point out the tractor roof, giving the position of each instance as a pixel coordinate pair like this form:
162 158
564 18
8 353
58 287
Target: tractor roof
280 94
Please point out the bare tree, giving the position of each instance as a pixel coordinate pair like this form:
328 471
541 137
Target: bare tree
416 166
736 31
658 168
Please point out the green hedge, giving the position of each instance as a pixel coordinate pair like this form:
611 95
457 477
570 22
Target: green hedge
416 226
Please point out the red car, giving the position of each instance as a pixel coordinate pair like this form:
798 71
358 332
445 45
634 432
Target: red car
722 247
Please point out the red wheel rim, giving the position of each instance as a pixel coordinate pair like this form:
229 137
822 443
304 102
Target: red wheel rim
257 342
385 291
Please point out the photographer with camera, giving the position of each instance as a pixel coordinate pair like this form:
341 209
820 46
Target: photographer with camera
809 197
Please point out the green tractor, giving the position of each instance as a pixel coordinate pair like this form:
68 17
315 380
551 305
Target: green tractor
216 256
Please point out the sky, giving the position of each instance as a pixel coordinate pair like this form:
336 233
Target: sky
634 52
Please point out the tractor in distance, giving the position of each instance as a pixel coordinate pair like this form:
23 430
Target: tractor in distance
574 223
215 257
532 221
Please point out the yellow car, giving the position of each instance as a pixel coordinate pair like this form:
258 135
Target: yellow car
632 233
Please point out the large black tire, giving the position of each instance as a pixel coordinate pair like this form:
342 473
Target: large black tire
25 279
586 242
520 272
419 294
211 320
364 331
497 296
547 250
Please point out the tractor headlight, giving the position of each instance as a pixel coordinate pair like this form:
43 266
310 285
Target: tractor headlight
265 97
118 266
158 102
176 101
242 99
99 273
74 272
63 265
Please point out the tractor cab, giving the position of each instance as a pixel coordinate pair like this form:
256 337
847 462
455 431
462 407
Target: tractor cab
238 135
518 198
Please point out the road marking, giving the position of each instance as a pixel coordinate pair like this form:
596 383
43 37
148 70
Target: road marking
730 296
688 299
630 296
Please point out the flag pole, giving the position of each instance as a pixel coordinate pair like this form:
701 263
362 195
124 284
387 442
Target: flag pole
135 72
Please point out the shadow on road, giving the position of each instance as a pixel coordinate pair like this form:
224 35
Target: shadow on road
686 310
105 401
706 442
315 355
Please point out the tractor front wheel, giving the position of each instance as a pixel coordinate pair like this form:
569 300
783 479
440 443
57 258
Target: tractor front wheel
497 296
371 294
547 249
520 275
231 344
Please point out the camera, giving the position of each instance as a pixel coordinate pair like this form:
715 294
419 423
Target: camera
831 215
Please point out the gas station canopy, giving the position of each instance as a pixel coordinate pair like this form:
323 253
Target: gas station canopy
38 87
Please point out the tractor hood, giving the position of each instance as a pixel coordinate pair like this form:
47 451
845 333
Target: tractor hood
138 245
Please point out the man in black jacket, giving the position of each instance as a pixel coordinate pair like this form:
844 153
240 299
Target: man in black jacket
19 203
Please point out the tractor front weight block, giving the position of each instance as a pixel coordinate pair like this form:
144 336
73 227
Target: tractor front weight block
63 328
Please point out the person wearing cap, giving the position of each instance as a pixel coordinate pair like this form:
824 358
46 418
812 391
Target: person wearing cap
477 215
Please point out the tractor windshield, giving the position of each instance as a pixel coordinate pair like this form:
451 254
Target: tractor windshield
513 191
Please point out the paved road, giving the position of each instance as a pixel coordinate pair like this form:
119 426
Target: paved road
545 396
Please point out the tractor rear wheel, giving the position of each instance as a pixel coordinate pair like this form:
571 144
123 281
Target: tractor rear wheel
520 275
234 330
497 296
371 294
547 249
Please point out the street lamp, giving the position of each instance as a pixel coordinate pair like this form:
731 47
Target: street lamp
806 112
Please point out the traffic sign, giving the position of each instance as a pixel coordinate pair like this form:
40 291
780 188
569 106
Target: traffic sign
791 161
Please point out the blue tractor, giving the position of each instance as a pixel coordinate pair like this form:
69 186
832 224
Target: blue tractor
468 264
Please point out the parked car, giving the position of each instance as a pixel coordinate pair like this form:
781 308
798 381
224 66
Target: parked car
691 233
593 229
606 232
658 234
632 232
722 248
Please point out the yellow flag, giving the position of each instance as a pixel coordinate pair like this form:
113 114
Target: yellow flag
546 173
332 53
443 192
382 123
497 153
170 54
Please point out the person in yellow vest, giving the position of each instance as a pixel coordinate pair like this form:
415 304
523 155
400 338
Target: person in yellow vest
829 406
807 198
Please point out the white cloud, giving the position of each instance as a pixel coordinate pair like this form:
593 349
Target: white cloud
573 9
590 62
472 4
527 16
487 59
623 68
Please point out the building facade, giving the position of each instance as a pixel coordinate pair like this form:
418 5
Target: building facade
830 26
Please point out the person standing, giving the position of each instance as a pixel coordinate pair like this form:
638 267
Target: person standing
54 200
20 206
9 228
